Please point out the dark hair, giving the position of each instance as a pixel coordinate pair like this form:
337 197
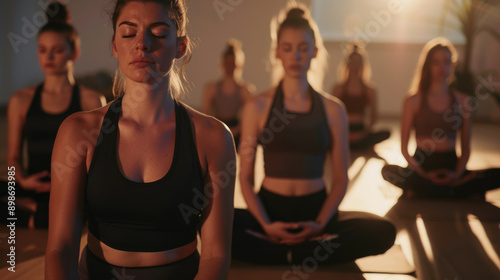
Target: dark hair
296 18
59 20
234 48
177 12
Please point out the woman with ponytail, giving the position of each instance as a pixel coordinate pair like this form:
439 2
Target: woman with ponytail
34 114
298 126
359 99
151 180
224 98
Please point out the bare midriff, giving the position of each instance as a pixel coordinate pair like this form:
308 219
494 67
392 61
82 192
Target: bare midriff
138 259
436 145
293 187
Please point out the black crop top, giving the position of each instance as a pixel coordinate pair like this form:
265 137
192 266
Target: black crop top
144 217
295 144
40 129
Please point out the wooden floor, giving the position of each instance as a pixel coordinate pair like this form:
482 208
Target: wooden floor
437 239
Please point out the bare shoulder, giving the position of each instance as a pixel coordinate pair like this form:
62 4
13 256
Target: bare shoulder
466 103
259 103
371 89
330 102
90 98
80 125
461 97
413 100
212 130
24 95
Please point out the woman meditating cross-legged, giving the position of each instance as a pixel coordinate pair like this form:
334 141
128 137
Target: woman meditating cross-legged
225 98
359 99
293 217
438 114
34 115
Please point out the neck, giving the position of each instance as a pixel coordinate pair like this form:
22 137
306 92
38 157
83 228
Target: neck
148 104
438 87
57 84
352 78
295 87
231 77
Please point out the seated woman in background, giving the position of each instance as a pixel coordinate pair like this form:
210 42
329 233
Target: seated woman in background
293 216
34 115
359 99
438 114
224 98
152 180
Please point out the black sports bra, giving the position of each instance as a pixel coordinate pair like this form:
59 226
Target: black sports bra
40 129
295 144
144 217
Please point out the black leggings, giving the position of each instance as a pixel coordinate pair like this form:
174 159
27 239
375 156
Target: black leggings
93 268
407 179
353 234
41 216
370 139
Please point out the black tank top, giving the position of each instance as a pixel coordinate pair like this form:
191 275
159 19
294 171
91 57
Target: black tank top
295 144
145 217
40 129
227 106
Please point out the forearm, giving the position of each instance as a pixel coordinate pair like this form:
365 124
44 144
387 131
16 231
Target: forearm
254 204
213 269
61 266
413 164
332 202
461 164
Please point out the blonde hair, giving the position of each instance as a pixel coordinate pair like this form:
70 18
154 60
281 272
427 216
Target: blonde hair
297 15
421 80
354 48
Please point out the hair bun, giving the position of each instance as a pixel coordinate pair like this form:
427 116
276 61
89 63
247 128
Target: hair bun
57 13
295 13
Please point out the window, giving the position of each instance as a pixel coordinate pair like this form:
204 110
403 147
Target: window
409 21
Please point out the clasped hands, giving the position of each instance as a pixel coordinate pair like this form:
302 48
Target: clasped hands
290 233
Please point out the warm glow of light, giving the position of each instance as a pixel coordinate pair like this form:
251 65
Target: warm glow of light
424 238
364 194
478 230
356 167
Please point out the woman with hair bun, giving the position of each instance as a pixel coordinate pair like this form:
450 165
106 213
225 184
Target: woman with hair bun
151 181
359 99
34 114
438 114
224 98
298 126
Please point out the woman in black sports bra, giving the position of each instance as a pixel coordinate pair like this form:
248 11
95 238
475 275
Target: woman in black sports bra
147 171
225 98
436 113
359 98
35 114
293 218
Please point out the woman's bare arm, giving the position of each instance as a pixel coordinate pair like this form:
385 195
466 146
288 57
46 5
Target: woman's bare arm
219 190
337 120
66 214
